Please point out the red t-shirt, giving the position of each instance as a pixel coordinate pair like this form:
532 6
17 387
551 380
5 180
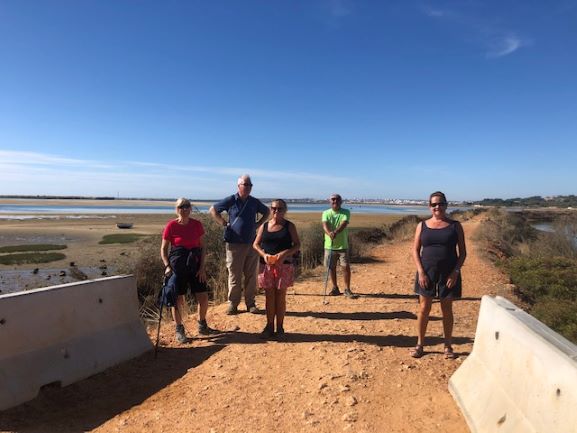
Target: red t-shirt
187 236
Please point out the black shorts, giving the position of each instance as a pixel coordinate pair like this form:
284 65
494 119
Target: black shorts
189 281
438 288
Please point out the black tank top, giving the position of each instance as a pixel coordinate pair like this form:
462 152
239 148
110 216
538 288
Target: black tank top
439 246
275 242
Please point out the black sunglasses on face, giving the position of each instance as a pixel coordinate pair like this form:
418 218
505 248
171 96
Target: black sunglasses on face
184 206
276 209
246 184
439 204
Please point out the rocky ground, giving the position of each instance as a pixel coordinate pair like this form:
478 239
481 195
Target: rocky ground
344 366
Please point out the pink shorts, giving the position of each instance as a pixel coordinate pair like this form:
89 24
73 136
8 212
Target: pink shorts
278 277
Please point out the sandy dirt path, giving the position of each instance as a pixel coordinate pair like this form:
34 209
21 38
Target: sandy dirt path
343 366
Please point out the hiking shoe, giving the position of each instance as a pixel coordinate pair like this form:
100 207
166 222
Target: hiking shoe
349 294
253 309
231 310
267 332
335 292
204 329
180 334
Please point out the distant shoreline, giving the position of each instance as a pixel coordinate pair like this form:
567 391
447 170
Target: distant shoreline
94 202
91 202
14 199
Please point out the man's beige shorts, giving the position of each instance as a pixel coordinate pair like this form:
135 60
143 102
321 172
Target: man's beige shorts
338 256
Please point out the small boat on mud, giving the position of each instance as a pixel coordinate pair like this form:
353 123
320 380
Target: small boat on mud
124 225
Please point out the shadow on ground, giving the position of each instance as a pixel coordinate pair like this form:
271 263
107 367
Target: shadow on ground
354 316
376 340
89 403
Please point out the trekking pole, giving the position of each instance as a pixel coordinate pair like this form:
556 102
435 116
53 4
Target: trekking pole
159 317
329 264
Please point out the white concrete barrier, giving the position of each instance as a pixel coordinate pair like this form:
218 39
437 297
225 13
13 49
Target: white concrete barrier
521 376
65 333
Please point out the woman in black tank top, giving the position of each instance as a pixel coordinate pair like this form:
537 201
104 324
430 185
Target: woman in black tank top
439 252
276 242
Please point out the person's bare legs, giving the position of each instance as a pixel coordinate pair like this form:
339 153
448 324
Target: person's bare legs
425 303
280 305
333 273
202 299
177 311
422 322
270 296
448 320
347 275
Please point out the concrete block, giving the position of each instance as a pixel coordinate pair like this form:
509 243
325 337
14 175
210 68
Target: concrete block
521 376
66 333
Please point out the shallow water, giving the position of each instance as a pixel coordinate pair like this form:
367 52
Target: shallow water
12 281
25 211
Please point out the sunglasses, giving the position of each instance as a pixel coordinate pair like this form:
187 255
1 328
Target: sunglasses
184 206
277 209
439 204
335 199
246 184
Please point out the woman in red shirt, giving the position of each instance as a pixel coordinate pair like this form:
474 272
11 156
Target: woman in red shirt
183 254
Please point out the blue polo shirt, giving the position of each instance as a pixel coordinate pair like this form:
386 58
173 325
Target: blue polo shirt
241 227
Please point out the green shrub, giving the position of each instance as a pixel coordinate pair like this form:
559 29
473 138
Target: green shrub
547 276
543 266
32 247
560 316
23 258
504 232
121 238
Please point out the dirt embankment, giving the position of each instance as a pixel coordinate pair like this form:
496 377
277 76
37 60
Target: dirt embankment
343 366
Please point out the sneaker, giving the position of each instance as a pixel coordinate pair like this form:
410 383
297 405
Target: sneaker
180 334
349 294
335 292
231 310
267 332
204 329
253 309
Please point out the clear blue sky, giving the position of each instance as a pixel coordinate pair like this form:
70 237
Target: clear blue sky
367 98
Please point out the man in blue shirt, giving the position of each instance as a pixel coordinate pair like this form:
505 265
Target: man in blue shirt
239 234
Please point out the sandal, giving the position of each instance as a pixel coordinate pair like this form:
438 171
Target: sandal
418 351
449 354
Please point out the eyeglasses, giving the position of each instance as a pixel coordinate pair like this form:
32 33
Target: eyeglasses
277 209
184 206
439 204
245 184
335 199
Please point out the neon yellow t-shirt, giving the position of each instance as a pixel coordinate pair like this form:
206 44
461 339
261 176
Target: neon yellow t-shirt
334 219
